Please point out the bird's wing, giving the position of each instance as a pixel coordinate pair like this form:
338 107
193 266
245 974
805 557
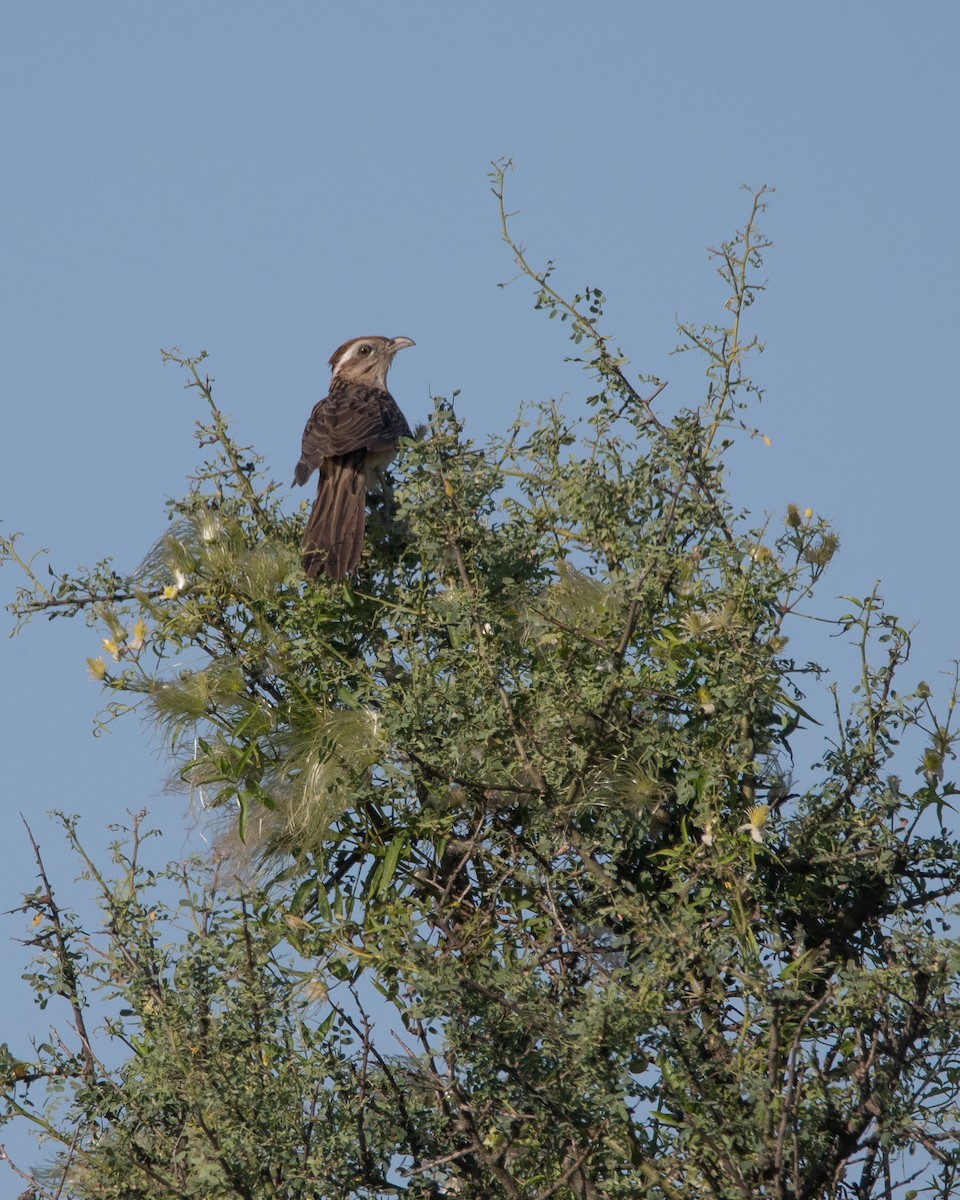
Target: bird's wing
352 417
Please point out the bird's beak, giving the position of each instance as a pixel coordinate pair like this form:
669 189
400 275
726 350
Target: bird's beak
400 343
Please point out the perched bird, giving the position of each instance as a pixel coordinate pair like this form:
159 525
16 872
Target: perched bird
349 437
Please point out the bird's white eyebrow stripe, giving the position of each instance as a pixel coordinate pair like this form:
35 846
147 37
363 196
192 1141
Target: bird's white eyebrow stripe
349 353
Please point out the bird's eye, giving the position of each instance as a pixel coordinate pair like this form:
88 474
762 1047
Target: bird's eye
364 350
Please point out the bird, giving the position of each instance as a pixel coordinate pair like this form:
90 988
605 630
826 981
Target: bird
351 435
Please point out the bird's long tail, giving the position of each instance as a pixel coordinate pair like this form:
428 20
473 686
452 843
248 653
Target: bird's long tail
333 537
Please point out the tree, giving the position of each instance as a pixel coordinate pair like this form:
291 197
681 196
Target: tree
526 782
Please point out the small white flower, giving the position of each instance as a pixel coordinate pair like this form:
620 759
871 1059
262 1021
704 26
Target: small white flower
209 527
756 821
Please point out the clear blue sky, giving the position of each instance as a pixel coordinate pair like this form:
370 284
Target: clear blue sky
263 181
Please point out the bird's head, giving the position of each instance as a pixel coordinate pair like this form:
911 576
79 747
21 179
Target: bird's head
367 359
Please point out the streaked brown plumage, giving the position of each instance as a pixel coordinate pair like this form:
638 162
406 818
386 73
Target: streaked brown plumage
350 435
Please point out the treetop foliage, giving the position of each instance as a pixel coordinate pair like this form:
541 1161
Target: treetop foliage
528 779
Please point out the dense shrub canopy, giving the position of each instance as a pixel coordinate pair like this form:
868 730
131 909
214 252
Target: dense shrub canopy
525 784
